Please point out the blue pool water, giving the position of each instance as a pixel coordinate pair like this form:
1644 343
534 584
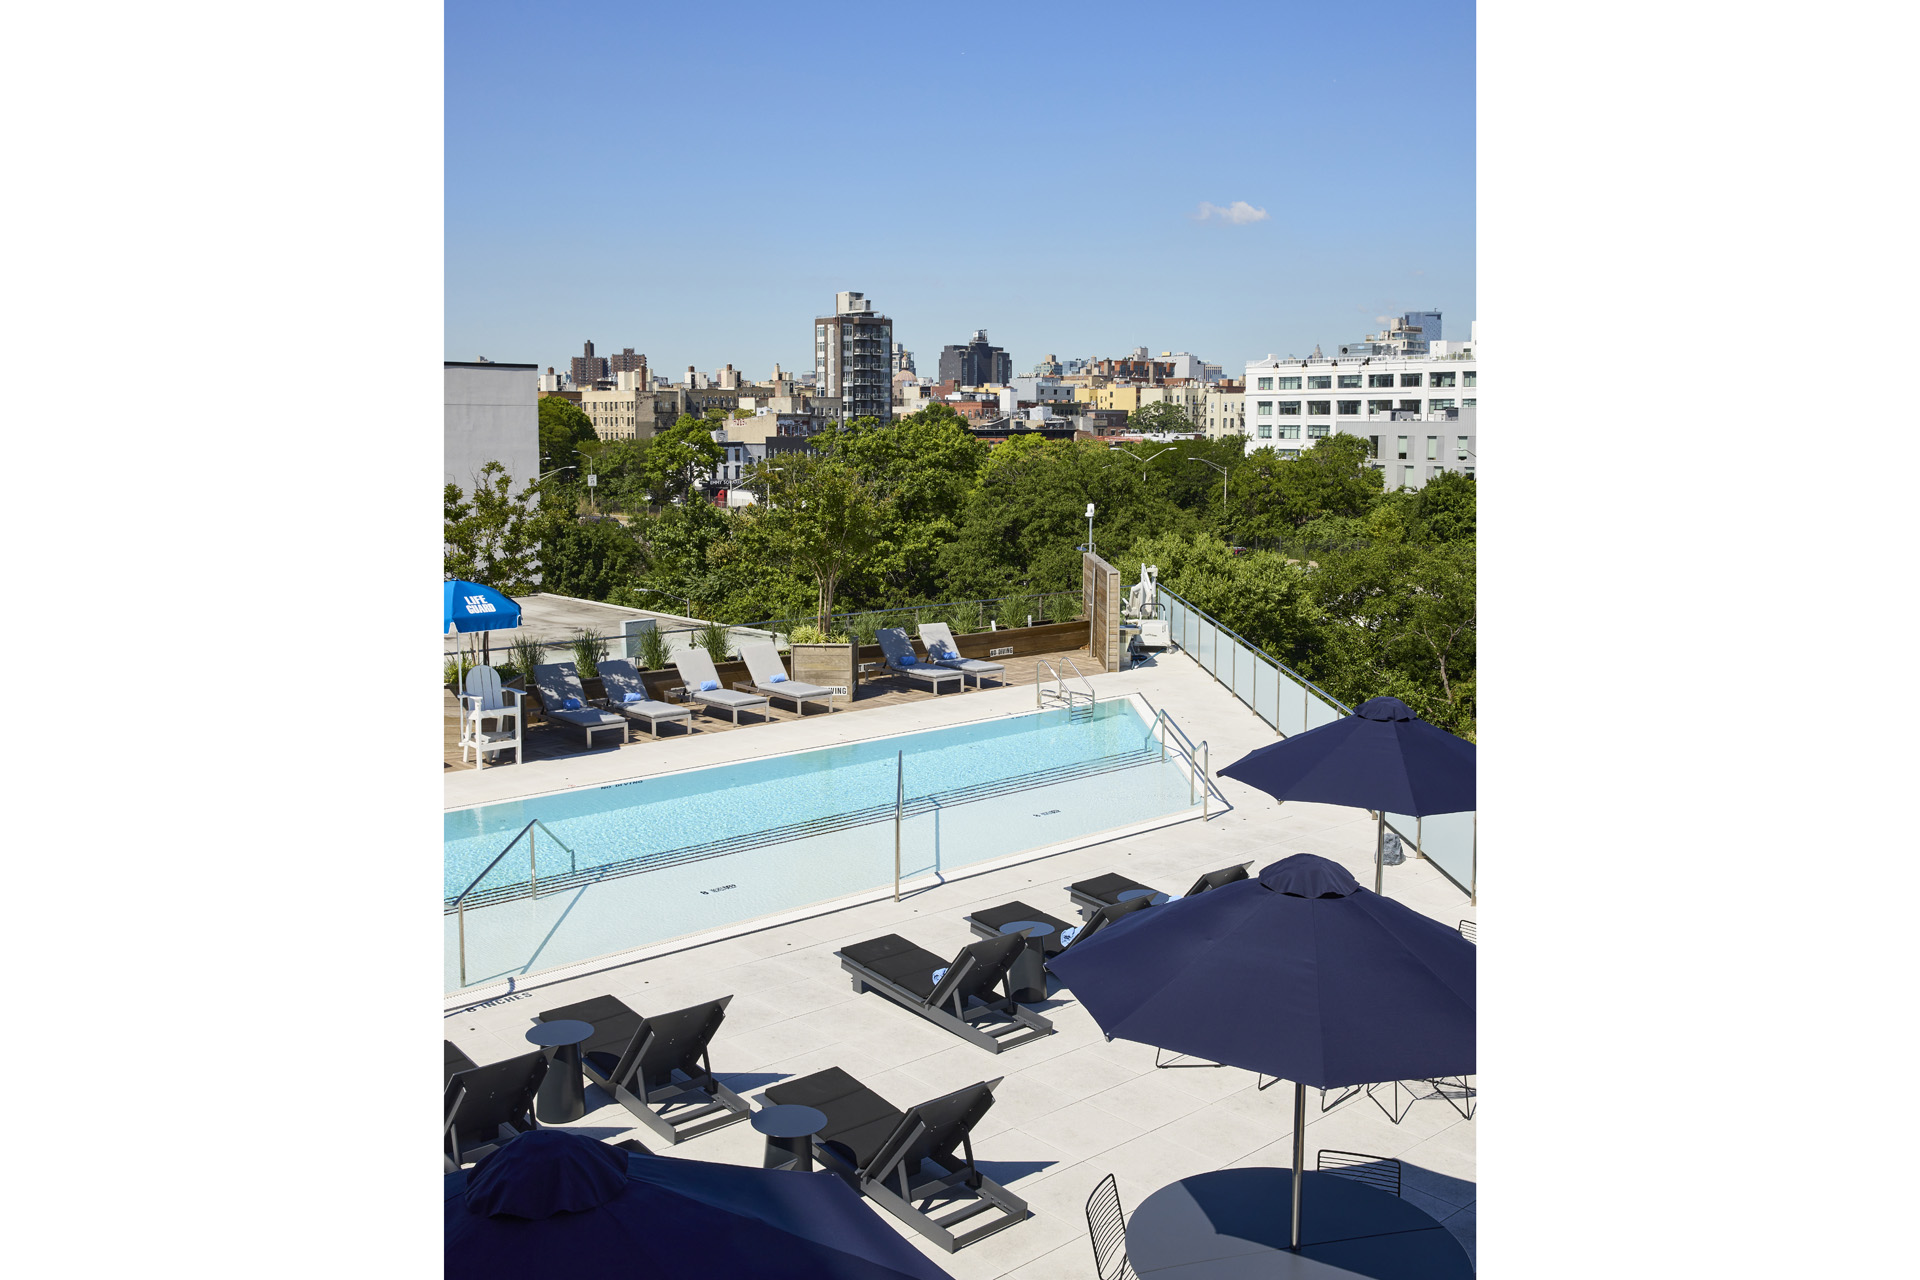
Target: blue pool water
707 808
665 858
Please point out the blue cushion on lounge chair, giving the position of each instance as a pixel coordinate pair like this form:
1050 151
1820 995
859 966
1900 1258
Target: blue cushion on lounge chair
776 679
635 697
937 975
903 661
708 686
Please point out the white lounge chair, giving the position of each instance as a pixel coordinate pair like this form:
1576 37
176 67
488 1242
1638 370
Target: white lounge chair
938 639
559 684
703 686
770 677
627 696
901 662
485 700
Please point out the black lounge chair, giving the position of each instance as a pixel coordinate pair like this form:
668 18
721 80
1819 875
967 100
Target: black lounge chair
904 973
657 1067
909 1163
489 1106
456 1060
988 922
1101 891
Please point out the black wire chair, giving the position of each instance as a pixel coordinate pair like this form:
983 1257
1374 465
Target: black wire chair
1107 1227
1467 932
1375 1171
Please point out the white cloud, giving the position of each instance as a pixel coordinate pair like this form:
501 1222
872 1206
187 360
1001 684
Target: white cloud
1237 214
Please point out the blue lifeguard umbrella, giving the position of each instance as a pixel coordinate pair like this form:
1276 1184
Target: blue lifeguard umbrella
469 606
1382 757
1300 974
554 1202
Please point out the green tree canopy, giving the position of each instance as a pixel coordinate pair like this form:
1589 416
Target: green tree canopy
823 520
493 535
1162 415
676 457
564 427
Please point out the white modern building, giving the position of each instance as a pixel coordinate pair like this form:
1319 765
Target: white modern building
1419 410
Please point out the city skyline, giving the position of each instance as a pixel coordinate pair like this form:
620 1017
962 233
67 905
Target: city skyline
1206 204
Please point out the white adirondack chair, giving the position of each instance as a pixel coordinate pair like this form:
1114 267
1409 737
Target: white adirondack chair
485 700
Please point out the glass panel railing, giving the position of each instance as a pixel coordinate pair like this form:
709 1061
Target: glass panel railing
1447 840
1285 700
1266 692
1245 663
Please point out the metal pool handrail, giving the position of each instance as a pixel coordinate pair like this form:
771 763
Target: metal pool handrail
1198 758
533 878
1060 690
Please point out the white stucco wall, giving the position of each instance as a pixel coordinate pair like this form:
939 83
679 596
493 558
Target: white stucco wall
491 416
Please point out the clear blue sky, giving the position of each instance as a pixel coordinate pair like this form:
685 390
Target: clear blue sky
697 181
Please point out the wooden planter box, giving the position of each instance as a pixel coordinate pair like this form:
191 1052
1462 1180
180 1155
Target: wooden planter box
833 665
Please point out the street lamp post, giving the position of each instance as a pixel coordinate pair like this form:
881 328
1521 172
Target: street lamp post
1144 461
1194 457
593 480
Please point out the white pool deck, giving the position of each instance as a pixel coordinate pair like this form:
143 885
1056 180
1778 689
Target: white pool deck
1072 1107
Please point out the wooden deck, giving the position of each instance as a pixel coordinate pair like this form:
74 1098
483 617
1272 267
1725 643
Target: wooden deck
544 742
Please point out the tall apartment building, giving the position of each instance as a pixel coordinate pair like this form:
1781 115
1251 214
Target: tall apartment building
851 357
628 362
1428 400
589 368
976 364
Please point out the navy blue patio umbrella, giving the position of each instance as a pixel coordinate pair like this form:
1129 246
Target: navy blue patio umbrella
1300 974
552 1202
1382 757
469 606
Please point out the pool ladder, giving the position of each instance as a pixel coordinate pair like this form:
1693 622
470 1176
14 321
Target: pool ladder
1078 701
533 878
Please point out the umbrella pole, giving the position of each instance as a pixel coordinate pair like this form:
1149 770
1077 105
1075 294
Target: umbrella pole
1379 850
1299 1155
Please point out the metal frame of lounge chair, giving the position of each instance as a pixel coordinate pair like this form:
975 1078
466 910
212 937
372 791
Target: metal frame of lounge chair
927 1160
718 698
1051 944
934 675
992 1024
658 1064
500 1092
620 672
1088 903
787 688
457 1060
566 676
490 702
965 666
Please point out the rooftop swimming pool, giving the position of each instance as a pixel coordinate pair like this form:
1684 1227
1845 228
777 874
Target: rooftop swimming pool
636 863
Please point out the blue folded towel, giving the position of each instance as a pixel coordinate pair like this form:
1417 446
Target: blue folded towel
570 704
903 662
776 679
635 697
945 654
937 975
708 686
1068 935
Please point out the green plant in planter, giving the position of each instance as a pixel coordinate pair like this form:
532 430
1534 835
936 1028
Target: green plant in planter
714 638
527 653
588 650
451 676
655 652
807 633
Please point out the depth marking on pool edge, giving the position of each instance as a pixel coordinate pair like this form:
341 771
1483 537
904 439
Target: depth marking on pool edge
722 889
1046 813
